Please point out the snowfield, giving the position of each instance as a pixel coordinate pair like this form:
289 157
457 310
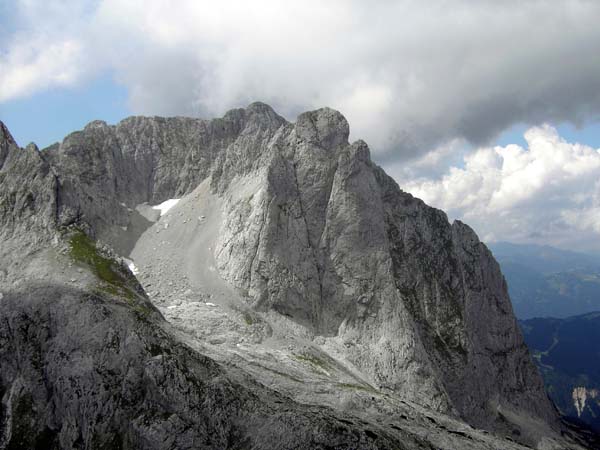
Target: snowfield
165 206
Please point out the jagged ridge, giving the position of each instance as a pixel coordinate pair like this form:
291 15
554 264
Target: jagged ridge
332 242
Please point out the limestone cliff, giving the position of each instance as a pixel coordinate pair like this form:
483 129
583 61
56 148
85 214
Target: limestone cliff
310 230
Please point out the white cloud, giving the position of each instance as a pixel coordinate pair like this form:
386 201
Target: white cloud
548 192
38 65
409 75
47 47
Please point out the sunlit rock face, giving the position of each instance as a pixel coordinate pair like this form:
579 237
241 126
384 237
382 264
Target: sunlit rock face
304 229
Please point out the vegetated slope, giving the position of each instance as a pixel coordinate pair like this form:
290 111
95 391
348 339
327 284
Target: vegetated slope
567 352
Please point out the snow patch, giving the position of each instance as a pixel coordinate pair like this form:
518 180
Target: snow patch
132 268
210 304
165 206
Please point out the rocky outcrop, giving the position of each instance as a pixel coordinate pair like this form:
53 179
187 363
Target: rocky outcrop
420 304
106 169
82 370
28 199
6 143
580 396
311 230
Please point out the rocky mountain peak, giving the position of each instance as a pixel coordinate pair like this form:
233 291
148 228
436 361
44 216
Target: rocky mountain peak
6 142
263 112
5 134
324 127
95 124
360 151
289 256
32 147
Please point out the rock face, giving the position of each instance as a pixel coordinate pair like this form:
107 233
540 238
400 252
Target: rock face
80 371
28 202
311 230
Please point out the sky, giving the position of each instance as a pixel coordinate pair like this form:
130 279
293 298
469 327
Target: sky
489 110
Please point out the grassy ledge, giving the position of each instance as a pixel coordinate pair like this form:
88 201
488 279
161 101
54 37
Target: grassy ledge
316 363
113 281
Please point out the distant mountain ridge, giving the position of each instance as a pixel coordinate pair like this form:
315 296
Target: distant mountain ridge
556 294
548 282
544 258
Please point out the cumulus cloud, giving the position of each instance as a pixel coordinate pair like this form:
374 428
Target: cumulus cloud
41 47
37 65
548 192
409 75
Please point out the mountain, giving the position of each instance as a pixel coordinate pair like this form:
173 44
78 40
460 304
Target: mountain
545 259
291 297
547 282
567 353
